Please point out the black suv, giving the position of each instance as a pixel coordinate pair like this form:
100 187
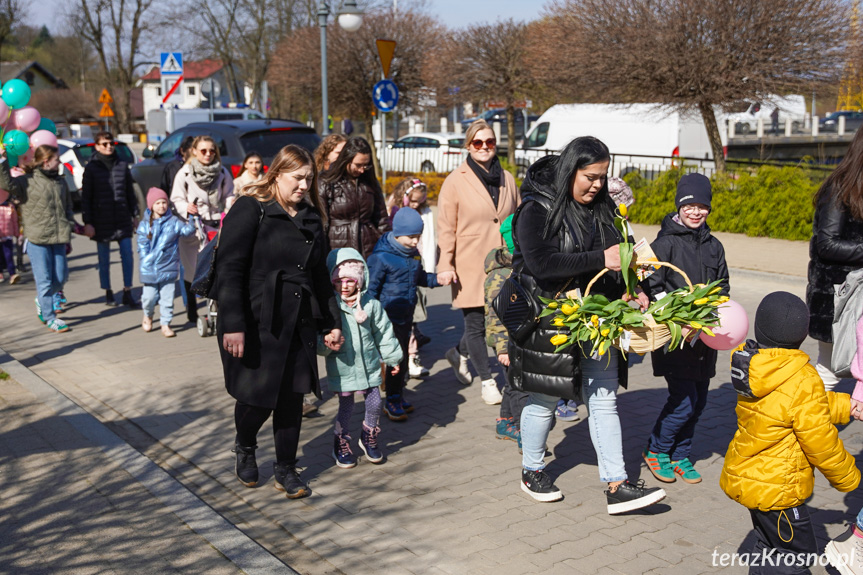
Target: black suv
235 139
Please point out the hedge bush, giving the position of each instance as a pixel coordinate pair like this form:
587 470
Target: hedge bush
769 201
433 180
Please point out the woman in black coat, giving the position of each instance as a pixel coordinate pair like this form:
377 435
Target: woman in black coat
835 249
564 234
354 205
275 297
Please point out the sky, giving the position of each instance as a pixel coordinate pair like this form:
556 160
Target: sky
453 13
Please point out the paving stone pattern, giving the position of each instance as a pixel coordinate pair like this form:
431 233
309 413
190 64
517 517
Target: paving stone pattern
447 500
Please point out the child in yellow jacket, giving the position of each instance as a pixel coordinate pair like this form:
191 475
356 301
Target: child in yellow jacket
785 428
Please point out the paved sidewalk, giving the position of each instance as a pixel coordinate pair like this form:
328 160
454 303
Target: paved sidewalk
446 501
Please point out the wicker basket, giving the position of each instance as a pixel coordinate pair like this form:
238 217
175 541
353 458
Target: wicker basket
652 335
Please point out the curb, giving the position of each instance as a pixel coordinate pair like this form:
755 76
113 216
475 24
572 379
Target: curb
241 550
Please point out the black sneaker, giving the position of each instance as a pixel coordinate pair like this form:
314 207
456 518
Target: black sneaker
538 485
629 497
288 480
247 466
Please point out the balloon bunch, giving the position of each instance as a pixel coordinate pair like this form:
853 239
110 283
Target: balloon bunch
23 129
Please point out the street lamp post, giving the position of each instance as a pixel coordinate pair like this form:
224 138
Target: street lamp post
350 18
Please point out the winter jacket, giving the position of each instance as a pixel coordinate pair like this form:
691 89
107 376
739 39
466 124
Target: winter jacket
159 255
545 266
835 249
108 200
395 276
243 180
184 192
46 206
356 214
9 227
468 227
785 428
169 173
357 365
498 267
272 284
702 257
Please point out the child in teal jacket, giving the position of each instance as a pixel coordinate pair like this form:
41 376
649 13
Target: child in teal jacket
369 340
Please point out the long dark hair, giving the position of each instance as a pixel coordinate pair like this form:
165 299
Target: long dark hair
845 185
578 154
248 157
339 169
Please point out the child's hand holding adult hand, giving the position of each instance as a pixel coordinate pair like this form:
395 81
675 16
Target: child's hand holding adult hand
395 369
447 278
857 409
334 339
503 359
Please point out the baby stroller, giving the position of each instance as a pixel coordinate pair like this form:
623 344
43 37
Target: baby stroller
207 322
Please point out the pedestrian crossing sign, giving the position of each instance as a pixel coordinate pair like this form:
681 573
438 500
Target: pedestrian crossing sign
171 63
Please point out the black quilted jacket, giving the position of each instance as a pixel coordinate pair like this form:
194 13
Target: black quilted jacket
108 200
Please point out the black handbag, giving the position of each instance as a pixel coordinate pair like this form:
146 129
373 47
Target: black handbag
205 267
518 308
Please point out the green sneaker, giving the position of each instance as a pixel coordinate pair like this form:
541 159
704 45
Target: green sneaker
659 465
39 311
684 469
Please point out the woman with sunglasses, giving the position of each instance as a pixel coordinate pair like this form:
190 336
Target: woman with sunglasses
474 199
354 205
202 187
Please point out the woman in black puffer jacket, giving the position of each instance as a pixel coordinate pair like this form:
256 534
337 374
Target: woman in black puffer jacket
564 230
354 205
835 249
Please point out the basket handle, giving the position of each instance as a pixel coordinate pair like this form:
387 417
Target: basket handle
672 266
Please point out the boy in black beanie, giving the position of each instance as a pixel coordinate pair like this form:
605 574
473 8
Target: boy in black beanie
785 428
685 241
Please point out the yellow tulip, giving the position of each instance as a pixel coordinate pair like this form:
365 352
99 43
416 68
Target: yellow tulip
605 332
594 320
622 209
708 331
559 339
557 322
715 290
695 325
724 299
552 305
568 309
701 301
716 303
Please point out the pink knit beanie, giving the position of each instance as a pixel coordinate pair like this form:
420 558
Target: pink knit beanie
154 195
351 269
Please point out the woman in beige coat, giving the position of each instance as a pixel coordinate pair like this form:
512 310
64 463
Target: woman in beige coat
474 199
203 186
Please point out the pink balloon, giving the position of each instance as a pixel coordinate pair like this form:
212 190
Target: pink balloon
27 157
10 124
42 138
732 329
4 110
27 118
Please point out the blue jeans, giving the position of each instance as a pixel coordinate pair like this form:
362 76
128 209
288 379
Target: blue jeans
104 252
49 272
165 293
675 426
599 393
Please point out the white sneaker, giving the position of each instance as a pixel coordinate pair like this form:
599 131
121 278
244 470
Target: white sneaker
490 393
459 366
845 553
415 369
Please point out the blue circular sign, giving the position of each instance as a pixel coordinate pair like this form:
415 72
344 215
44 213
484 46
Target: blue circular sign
385 95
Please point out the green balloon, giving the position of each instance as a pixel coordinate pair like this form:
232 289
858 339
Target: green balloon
46 124
12 159
16 142
16 93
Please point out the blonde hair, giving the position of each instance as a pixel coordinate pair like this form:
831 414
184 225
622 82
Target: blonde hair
472 130
401 191
326 146
42 154
289 159
198 141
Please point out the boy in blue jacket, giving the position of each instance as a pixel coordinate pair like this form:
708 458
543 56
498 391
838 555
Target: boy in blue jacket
395 270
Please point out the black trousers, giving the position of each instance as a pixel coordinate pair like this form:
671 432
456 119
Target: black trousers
472 343
513 403
784 542
395 383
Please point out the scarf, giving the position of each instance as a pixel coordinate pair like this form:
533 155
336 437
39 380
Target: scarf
109 161
354 302
204 177
492 179
52 174
406 252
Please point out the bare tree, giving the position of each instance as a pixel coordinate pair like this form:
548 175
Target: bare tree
690 55
70 104
11 13
114 29
488 62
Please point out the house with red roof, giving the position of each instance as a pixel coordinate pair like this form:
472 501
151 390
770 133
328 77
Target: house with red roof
194 74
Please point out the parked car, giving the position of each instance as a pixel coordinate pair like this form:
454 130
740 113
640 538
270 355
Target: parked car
830 122
746 114
234 138
75 154
499 115
426 152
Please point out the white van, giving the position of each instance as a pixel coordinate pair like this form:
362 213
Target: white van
163 122
638 130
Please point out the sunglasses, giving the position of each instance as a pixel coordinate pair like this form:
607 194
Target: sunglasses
208 151
477 144
106 144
